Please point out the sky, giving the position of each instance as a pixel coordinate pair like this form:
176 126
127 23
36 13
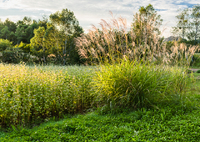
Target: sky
90 12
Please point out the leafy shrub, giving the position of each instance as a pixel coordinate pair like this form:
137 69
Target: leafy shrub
198 71
10 56
16 55
4 44
24 47
196 60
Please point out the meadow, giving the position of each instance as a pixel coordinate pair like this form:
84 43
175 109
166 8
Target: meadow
131 89
29 94
80 103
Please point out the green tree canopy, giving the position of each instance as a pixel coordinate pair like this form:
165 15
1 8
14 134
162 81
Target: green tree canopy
67 24
145 23
4 44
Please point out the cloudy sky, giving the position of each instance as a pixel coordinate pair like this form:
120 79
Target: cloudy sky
92 11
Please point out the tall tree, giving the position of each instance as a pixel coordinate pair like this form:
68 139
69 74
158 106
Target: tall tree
5 33
68 25
7 30
145 23
183 25
11 25
38 43
25 30
43 41
196 20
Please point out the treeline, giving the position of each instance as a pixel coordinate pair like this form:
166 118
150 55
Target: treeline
54 39
188 25
50 40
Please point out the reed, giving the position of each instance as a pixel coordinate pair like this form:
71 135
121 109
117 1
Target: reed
115 41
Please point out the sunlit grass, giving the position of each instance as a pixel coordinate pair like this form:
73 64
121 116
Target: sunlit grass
30 94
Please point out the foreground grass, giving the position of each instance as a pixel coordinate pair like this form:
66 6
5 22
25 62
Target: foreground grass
166 124
31 95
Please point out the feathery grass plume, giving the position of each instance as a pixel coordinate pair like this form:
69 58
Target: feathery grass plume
113 41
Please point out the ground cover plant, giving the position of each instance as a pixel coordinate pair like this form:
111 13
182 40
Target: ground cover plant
166 124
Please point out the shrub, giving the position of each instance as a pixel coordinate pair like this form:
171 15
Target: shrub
10 56
134 85
16 55
4 44
196 60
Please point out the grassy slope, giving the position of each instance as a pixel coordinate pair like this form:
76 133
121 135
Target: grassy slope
165 124
146 125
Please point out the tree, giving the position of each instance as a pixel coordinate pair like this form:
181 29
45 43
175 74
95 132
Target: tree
196 20
5 44
20 33
1 26
11 25
68 26
24 31
5 33
188 24
38 43
183 24
145 24
43 41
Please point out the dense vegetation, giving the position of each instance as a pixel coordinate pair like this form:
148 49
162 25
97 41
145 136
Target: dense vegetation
31 94
167 115
138 87
52 39
44 41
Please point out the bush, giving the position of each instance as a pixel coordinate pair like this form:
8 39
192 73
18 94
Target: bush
196 60
189 71
4 44
10 56
16 55
24 47
135 85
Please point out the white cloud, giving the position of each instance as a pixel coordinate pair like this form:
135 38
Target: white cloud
14 18
92 11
